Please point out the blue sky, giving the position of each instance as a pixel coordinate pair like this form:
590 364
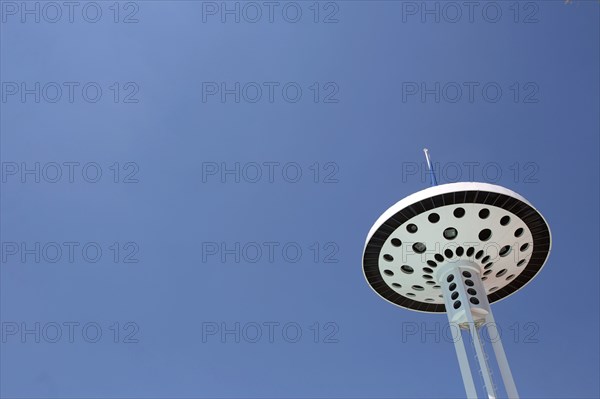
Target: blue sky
150 149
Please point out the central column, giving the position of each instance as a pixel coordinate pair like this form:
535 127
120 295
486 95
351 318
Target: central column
468 308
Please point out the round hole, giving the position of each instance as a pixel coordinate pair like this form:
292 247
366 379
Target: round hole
410 294
505 250
407 269
470 251
450 233
456 305
427 270
388 257
450 278
454 295
429 299
489 265
466 274
474 301
519 232
484 213
493 289
485 259
433 217
439 257
448 253
419 247
459 212
412 228
431 263
524 247
485 234
396 285
501 273
471 291
479 254
388 272
521 262
470 283
505 220
460 251
417 288
510 277
427 276
452 286
485 273
396 242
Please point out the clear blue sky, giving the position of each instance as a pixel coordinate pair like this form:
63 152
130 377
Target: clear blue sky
172 134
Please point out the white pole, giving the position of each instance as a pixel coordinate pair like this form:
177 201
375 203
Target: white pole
463 362
507 378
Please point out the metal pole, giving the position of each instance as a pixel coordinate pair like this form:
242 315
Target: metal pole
430 166
463 362
507 378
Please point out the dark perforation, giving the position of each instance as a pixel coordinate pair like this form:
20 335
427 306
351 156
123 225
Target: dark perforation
485 234
433 217
419 247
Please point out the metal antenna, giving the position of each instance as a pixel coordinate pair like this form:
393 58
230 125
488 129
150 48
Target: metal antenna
457 248
430 166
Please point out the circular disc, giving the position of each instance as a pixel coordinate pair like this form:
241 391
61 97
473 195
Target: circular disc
488 225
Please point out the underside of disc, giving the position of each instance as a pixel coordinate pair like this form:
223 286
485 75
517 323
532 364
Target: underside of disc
488 225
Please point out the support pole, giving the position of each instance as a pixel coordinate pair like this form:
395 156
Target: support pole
463 362
507 378
467 306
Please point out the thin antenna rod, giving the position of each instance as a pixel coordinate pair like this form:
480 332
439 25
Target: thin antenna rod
430 166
